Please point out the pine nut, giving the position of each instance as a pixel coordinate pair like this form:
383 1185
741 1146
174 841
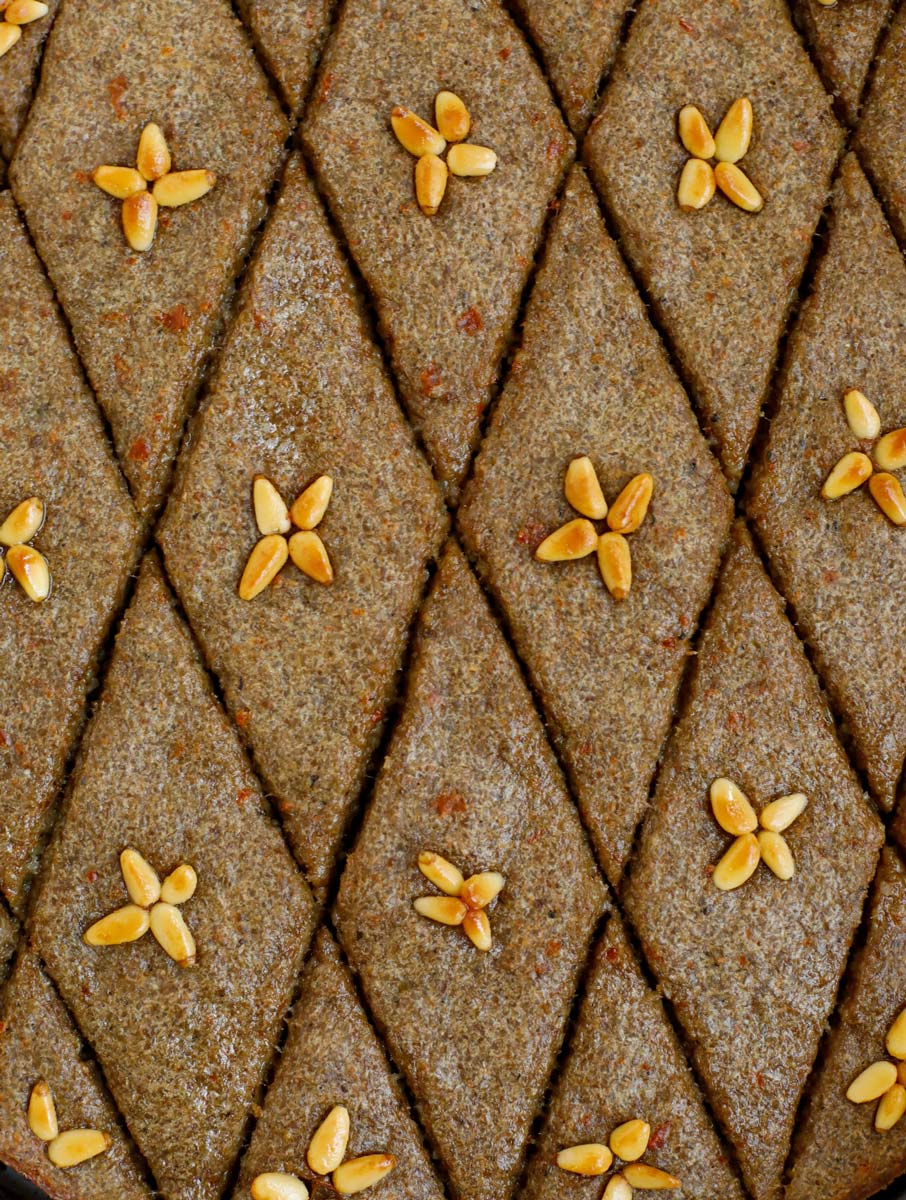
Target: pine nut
890 452
696 186
737 187
891 1107
310 555
734 132
275 1185
901 1073
310 507
120 182
583 489
23 522
153 156
126 924
172 933
888 495
452 117
617 1189
30 570
872 1083
850 473
731 808
737 865
593 1158
776 854
361 1173
629 1141
478 929
42 1112
651 1179
431 176
630 508
694 132
575 539
9 35
180 885
266 559
441 872
414 134
329 1141
479 890
780 814
471 161
862 415
77 1146
140 878
615 564
183 187
23 12
446 910
271 513
896 1038
140 220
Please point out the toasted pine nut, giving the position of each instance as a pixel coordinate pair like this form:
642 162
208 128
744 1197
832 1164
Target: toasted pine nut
734 132
575 539
731 808
583 489
617 1189
694 132
629 1141
890 1108
276 1185
651 1179
183 187
271 513
896 1037
23 522
267 558
890 452
126 924
478 929
441 872
776 853
42 1112
30 570
329 1141
737 186
630 508
780 814
862 415
140 220
452 117
361 1173
446 910
77 1146
180 885
431 176
153 157
414 134
140 878
121 182
696 185
850 473
172 933
872 1083
310 507
479 890
23 12
592 1158
9 35
737 865
888 495
310 555
901 1073
471 161
615 564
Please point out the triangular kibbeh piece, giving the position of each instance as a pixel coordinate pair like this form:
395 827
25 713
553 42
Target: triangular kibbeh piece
446 288
881 136
183 1048
843 38
39 1042
331 1057
752 973
290 36
19 75
591 378
842 563
624 1063
838 1154
578 41
144 323
720 280
307 670
469 776
52 446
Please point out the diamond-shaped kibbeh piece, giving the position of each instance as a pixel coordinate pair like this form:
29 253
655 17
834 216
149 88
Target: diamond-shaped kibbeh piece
183 1047
591 378
578 41
39 1042
720 280
469 776
624 1063
838 1151
307 670
19 74
446 288
881 136
842 563
144 322
752 973
53 447
290 36
843 38
332 1057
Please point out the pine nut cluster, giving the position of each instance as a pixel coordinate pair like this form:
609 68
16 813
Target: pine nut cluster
464 900
856 468
699 179
325 1158
15 14
171 189
885 1081
69 1148
27 565
427 144
154 906
577 539
274 521
627 1143
734 814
